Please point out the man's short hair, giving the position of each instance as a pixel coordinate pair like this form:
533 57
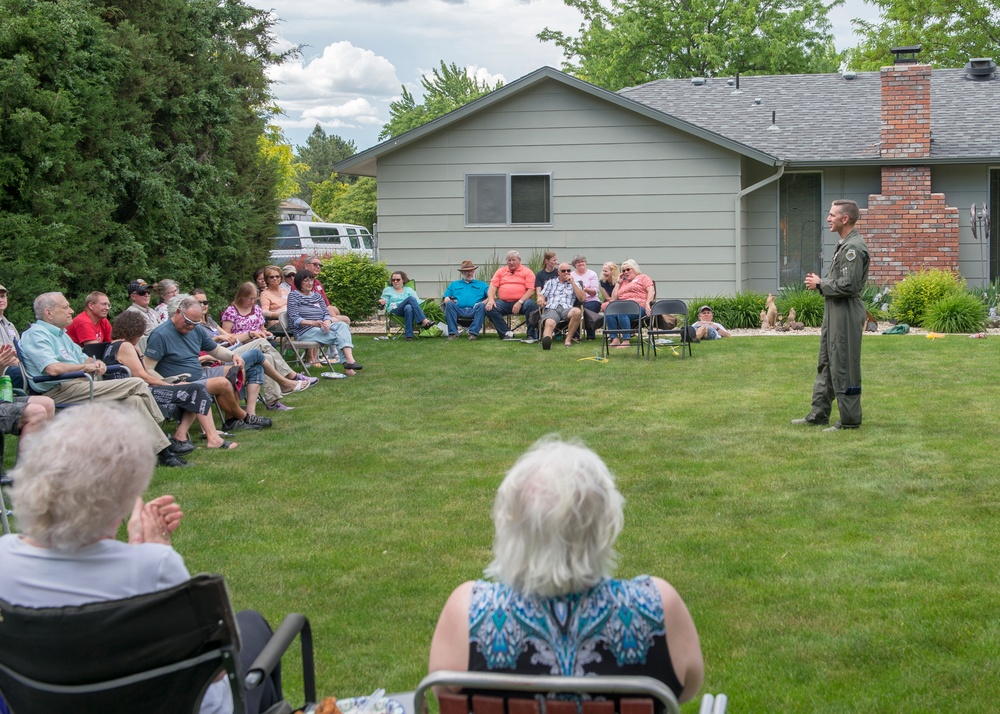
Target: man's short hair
850 209
512 254
186 303
45 301
94 297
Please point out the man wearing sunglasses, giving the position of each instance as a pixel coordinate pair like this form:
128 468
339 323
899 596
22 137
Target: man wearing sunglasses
48 350
555 303
138 293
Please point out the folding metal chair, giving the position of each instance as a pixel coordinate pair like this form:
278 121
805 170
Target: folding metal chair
677 308
631 310
154 653
300 347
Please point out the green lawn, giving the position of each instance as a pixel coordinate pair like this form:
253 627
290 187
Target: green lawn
852 571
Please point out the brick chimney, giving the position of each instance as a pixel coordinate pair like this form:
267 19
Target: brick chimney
907 226
906 111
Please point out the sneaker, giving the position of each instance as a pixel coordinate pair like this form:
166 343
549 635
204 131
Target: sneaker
531 341
508 335
171 460
237 424
473 338
809 422
254 419
307 378
277 406
452 337
179 448
546 343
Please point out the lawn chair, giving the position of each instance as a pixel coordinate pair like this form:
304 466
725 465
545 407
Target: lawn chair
677 308
154 653
627 695
4 481
300 347
30 382
634 313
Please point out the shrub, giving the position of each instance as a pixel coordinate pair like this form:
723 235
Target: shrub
917 291
808 304
717 303
876 299
741 311
958 312
354 282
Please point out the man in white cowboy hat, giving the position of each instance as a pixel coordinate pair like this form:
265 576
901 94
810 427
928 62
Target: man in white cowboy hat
466 298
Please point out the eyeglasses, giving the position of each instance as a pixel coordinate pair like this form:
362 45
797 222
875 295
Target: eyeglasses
397 280
565 270
273 277
203 302
315 265
189 320
626 270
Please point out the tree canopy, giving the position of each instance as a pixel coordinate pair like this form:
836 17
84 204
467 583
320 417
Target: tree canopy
320 154
129 145
341 202
949 33
629 42
448 88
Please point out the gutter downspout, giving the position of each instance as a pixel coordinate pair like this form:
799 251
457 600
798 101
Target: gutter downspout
738 220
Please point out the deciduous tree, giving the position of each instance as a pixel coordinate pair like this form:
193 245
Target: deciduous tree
629 42
320 153
949 33
346 203
448 88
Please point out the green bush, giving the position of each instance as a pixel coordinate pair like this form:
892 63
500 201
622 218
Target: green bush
917 291
958 312
877 299
808 304
741 311
354 282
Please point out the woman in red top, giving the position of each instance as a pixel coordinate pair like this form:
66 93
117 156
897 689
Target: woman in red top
632 285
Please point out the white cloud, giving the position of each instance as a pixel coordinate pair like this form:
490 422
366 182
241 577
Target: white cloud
342 69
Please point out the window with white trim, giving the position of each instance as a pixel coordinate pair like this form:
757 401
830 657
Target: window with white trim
508 199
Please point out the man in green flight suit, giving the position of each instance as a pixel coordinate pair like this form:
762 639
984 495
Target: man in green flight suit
839 371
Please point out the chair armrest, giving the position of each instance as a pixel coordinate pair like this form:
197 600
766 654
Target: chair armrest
66 375
293 624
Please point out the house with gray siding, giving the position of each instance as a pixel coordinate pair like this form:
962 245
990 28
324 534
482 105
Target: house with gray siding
713 186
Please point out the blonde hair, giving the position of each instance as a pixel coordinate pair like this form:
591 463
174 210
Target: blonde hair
614 271
631 264
72 483
556 517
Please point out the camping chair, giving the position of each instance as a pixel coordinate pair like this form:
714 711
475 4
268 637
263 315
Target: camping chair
4 481
628 695
154 653
634 313
395 325
677 308
300 347
113 372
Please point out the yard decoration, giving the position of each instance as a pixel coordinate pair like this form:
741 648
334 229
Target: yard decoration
772 312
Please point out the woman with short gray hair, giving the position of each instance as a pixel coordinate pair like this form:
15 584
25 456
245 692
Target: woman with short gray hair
554 605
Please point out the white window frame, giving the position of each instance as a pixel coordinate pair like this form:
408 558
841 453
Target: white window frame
508 219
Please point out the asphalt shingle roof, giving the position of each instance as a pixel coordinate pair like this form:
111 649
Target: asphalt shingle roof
826 118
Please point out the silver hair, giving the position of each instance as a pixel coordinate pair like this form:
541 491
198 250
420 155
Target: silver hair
556 516
45 301
512 254
184 303
74 486
631 264
176 301
579 258
165 286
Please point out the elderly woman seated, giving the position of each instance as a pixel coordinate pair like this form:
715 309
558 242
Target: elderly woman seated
67 553
309 320
553 608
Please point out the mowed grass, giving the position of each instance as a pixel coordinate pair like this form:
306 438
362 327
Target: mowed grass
852 571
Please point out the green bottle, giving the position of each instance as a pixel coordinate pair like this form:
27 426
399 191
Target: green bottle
6 389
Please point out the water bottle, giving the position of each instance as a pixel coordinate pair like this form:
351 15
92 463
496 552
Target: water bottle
6 389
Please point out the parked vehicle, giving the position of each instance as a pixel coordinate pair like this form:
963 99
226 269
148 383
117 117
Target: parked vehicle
311 238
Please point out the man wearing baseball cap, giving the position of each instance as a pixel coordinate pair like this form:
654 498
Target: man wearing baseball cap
705 328
138 293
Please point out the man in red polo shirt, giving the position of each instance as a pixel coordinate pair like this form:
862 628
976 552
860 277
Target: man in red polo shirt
92 325
510 294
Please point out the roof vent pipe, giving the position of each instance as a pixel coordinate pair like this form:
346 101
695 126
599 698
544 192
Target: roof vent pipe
698 81
737 90
980 68
849 74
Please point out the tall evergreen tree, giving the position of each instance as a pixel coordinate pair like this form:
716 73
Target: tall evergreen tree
129 144
320 154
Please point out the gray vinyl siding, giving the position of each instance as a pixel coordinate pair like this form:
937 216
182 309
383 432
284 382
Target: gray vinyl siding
962 186
623 186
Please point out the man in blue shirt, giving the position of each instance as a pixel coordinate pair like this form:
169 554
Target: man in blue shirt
466 298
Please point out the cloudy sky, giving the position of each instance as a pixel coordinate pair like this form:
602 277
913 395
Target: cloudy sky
356 54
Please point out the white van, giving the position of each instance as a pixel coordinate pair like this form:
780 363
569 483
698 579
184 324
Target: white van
311 238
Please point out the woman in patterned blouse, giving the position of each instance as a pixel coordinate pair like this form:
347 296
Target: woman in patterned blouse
553 607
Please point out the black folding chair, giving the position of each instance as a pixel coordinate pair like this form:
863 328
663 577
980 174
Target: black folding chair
154 653
631 310
676 308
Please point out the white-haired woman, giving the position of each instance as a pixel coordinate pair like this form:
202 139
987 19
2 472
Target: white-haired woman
67 553
166 290
632 285
554 606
